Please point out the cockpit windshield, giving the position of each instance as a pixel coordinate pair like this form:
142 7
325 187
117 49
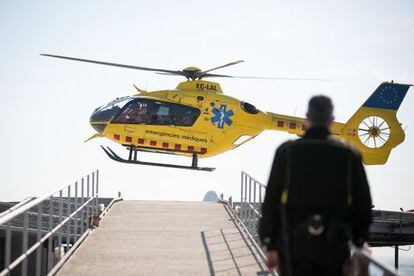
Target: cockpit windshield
118 103
107 112
153 112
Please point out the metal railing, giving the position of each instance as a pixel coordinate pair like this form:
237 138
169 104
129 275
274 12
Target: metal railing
249 212
251 199
361 258
42 230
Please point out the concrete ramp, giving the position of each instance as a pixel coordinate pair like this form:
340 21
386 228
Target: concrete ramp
165 238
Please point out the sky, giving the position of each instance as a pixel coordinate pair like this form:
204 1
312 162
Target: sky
46 103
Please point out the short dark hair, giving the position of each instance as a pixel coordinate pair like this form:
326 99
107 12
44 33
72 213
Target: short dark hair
320 110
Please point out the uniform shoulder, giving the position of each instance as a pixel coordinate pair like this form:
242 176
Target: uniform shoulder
284 146
346 145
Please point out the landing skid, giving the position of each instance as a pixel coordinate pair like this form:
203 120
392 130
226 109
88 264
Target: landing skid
132 159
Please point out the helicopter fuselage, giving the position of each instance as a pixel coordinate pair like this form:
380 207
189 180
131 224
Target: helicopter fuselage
194 118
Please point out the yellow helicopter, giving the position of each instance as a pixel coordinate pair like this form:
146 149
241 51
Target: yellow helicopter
197 120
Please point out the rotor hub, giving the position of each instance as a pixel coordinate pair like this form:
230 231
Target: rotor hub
192 69
374 131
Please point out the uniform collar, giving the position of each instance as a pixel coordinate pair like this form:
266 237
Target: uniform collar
317 132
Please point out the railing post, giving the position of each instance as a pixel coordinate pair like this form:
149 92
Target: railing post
254 193
76 218
60 232
242 199
245 187
254 215
241 187
261 196
93 194
68 224
82 201
8 245
396 257
245 196
88 206
38 236
97 192
50 245
25 241
250 202
250 190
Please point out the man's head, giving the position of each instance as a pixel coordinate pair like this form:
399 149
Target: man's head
320 111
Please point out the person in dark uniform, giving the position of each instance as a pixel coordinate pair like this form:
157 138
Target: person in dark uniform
317 199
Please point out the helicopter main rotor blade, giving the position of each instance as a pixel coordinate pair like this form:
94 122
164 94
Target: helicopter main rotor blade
225 65
118 65
279 78
167 74
216 76
188 75
262 78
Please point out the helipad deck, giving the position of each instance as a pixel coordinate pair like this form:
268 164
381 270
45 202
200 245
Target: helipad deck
165 238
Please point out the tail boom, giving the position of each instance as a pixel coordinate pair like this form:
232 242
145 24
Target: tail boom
295 125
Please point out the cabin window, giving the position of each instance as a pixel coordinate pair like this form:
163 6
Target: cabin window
134 113
249 108
150 112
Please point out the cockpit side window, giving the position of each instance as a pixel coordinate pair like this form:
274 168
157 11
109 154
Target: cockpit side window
134 113
151 112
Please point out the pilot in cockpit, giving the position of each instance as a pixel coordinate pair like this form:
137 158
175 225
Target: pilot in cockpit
133 114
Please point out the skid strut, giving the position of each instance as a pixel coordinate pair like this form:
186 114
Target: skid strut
132 159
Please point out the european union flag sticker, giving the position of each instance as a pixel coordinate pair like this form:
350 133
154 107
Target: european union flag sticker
388 96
